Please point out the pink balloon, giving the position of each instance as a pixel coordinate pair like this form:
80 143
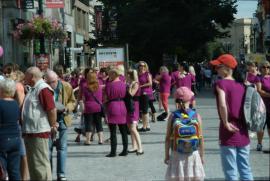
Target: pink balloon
1 51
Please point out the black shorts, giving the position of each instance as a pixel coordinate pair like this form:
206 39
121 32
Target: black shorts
92 121
144 104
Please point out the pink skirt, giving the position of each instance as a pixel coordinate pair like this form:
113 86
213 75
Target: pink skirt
185 167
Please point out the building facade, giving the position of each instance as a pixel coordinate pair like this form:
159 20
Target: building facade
239 42
77 18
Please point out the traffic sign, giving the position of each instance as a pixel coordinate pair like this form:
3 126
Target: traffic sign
28 4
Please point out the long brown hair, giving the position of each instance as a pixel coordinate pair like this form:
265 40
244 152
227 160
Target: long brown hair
92 81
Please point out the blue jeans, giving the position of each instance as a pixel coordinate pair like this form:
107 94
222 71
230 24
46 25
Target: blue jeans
10 156
236 159
61 148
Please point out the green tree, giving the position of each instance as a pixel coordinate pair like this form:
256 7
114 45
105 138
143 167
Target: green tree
154 27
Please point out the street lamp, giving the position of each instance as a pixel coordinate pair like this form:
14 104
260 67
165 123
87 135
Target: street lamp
254 32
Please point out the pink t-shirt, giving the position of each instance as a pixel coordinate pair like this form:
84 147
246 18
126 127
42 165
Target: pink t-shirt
253 79
185 81
143 79
265 81
234 92
165 83
90 104
116 110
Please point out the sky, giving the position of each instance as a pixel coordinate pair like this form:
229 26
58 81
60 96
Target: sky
246 9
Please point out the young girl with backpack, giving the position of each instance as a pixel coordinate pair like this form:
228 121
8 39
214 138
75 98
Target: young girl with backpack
184 145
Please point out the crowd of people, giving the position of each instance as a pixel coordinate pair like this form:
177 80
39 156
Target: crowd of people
36 109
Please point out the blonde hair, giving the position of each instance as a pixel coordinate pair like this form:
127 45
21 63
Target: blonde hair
133 75
92 81
163 69
145 64
19 75
121 69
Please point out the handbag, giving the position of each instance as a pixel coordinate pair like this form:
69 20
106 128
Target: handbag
102 112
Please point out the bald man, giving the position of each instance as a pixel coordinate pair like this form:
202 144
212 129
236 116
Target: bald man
65 104
38 122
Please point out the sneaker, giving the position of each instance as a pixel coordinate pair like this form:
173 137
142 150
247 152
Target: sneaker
61 178
259 147
147 129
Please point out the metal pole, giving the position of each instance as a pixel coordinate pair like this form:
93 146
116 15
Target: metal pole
62 11
41 39
127 55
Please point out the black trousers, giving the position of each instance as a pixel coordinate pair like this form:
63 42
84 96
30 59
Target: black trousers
123 131
152 107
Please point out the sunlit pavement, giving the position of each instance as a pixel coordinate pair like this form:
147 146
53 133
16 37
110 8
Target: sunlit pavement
90 163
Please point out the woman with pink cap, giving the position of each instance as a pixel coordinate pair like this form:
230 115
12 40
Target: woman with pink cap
233 132
185 161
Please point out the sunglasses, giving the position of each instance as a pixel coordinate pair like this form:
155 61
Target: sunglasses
142 65
266 67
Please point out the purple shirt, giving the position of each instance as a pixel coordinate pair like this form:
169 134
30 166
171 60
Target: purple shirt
83 83
185 81
265 81
143 79
165 83
116 110
74 82
90 104
122 78
235 94
174 76
253 79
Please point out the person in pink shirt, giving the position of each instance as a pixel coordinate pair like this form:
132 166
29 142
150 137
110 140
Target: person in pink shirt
145 80
252 74
133 118
174 75
92 98
164 80
233 133
115 91
263 87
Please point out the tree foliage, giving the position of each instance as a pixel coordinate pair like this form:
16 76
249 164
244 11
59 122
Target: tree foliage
154 27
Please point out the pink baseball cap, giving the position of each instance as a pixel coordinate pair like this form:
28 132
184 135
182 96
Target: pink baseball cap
183 93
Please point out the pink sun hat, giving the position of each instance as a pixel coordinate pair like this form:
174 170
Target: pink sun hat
184 94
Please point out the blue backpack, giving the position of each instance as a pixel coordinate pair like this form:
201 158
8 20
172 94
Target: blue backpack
185 131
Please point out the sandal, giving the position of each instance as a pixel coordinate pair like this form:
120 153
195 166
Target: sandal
87 143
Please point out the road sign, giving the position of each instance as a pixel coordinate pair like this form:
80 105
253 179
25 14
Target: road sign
28 4
55 3
110 56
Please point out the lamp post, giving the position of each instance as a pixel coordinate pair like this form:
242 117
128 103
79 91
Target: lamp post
254 30
41 38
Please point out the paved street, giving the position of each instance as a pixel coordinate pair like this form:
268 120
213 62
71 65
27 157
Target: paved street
90 163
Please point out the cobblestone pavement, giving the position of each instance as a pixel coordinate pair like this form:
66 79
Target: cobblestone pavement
90 163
